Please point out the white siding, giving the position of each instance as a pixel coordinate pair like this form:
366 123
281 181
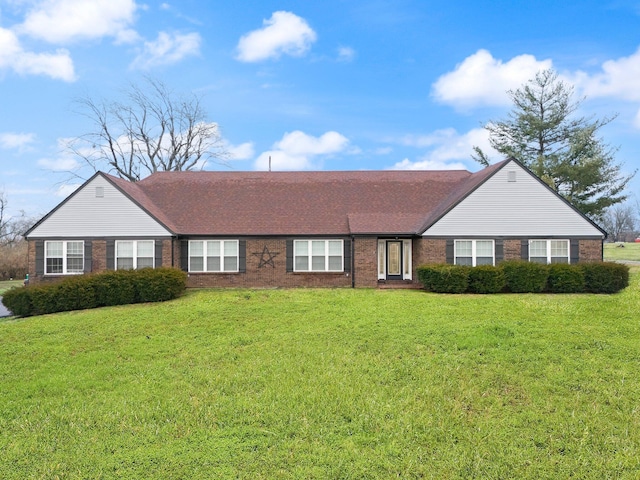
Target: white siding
503 207
86 214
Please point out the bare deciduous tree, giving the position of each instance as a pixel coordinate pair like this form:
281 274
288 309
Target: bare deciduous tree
4 220
153 129
619 220
13 247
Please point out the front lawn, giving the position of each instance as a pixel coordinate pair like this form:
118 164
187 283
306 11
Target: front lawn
333 383
622 251
7 284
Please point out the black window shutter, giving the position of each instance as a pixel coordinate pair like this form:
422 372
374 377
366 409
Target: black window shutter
158 251
39 257
347 255
289 255
111 254
499 244
449 251
184 255
88 254
524 250
242 256
574 251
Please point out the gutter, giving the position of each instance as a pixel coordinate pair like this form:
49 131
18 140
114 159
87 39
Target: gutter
353 261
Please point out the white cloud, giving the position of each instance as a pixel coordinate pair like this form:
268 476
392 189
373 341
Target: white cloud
407 164
346 54
16 140
62 164
299 143
483 80
297 151
65 21
167 49
244 151
283 33
619 78
448 149
56 65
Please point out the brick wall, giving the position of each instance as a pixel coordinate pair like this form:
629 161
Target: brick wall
266 267
428 250
98 256
512 249
365 261
31 255
266 263
590 250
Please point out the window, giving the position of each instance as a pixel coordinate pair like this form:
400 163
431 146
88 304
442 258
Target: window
318 255
213 255
134 254
63 257
474 252
549 251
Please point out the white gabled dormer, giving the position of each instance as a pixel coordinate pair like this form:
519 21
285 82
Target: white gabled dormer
513 202
98 209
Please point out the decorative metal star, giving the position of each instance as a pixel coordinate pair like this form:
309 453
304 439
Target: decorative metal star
266 257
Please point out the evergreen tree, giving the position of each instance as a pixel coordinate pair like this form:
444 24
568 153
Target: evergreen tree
544 133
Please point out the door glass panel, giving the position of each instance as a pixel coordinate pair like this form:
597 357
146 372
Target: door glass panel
394 267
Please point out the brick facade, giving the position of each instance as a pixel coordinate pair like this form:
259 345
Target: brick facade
365 253
591 250
266 260
512 249
266 267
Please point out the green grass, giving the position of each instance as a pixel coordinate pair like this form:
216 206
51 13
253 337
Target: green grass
331 384
7 284
630 251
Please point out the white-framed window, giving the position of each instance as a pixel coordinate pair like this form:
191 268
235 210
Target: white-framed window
549 251
474 252
63 257
318 255
134 254
213 255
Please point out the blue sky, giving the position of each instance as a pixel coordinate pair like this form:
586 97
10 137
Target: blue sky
331 85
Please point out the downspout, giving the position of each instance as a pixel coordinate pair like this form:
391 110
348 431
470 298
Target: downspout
172 252
353 262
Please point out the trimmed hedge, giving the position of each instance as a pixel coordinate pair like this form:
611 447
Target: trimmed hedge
519 276
119 287
525 277
605 277
444 278
565 278
486 279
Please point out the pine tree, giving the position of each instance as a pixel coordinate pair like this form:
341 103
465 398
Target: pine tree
544 132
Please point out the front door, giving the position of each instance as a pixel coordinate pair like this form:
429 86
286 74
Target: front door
394 260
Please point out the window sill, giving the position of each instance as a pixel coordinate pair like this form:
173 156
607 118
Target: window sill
214 273
319 273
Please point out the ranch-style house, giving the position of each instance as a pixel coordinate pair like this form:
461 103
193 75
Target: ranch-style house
310 229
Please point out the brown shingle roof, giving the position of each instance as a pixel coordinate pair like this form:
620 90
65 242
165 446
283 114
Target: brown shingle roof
300 203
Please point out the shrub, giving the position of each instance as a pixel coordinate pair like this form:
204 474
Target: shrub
443 278
486 279
160 284
565 278
525 277
89 291
605 277
114 288
18 301
44 299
